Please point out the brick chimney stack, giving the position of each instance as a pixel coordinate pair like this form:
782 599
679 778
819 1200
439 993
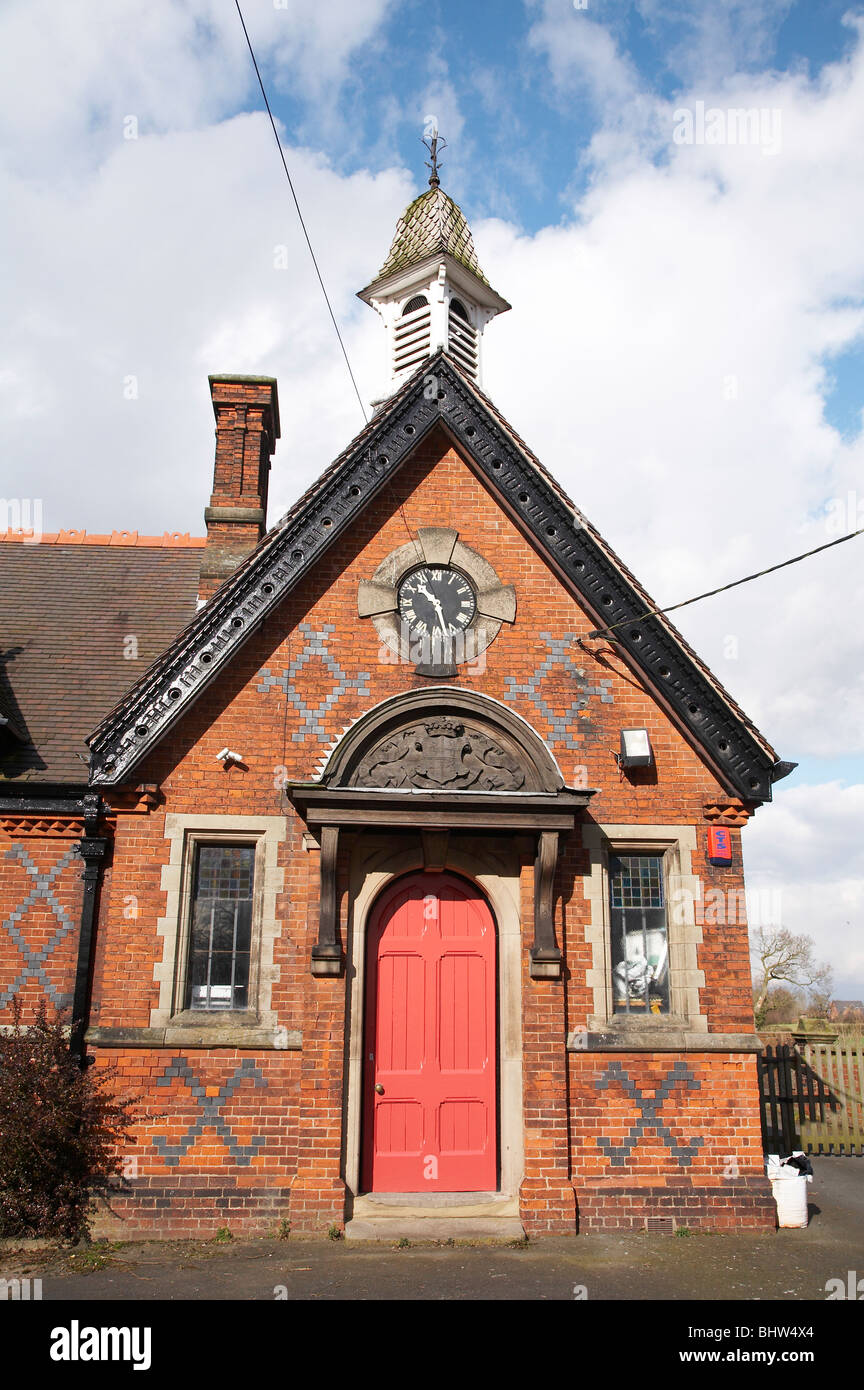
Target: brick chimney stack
247 427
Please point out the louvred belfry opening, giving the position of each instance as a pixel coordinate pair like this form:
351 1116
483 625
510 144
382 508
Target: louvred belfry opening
462 342
430 1049
411 335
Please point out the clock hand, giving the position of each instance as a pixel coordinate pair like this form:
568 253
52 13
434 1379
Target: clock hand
436 604
434 601
440 612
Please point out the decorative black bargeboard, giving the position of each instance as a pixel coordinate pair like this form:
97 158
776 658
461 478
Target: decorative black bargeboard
437 394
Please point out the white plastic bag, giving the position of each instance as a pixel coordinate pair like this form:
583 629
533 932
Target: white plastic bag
790 1194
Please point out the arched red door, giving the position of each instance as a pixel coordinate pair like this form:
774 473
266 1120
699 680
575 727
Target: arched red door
429 1073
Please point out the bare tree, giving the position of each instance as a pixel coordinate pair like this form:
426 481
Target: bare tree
821 995
781 955
783 1005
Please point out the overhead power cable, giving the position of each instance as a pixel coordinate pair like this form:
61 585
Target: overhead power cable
299 213
653 612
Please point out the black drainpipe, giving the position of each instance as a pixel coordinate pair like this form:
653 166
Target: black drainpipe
93 849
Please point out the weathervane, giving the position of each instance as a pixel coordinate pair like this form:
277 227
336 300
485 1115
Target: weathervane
433 145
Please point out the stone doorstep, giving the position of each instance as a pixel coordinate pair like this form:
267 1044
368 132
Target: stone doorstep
436 1228
435 1216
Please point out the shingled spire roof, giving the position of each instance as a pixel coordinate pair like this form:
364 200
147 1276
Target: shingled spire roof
432 224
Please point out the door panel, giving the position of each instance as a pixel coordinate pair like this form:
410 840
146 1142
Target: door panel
400 1127
401 1034
463 1032
462 1127
430 1039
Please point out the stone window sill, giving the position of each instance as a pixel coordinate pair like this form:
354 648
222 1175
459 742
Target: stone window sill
663 1035
209 1032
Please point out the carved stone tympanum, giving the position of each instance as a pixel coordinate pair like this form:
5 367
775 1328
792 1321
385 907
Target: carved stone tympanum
441 754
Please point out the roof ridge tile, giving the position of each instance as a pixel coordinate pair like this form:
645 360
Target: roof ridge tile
168 540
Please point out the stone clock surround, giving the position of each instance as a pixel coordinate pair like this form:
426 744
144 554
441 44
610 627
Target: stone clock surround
378 597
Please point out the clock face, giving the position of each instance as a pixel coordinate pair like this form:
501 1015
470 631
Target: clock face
436 599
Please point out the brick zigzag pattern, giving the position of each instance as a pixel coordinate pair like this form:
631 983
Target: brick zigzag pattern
313 715
649 1105
559 656
34 969
211 1112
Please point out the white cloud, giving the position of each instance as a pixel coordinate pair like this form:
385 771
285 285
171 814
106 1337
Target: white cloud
582 54
716 37
154 258
70 73
809 846
439 110
170 259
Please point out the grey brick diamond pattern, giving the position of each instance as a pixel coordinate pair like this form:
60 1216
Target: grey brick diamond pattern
34 968
210 1116
316 648
648 1117
562 722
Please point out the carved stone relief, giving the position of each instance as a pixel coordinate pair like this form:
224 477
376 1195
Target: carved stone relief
444 754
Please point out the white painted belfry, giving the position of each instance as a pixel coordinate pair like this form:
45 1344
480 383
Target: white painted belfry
431 292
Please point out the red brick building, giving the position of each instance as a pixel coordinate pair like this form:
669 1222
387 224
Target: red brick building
394 890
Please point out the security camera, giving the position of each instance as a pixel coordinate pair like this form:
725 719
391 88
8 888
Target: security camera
227 756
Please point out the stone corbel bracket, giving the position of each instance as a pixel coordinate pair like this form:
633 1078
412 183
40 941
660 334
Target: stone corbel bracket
547 961
327 951
378 597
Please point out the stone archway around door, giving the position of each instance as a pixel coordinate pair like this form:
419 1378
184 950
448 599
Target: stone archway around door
493 864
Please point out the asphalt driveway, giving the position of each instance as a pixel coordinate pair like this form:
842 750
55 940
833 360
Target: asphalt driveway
785 1265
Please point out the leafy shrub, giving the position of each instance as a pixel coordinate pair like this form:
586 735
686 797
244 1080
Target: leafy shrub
61 1130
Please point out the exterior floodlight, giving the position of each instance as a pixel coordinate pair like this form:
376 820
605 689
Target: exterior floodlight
635 748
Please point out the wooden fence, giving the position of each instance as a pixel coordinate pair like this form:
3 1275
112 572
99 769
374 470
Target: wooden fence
813 1098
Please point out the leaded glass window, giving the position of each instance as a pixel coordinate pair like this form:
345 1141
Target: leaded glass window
640 948
220 936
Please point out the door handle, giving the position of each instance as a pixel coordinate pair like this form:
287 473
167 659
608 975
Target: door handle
379 1088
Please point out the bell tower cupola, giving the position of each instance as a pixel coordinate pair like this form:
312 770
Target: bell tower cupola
430 291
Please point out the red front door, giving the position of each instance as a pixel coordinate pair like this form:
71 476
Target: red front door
429 1056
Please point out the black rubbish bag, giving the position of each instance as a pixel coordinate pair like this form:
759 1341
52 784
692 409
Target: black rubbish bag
800 1161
